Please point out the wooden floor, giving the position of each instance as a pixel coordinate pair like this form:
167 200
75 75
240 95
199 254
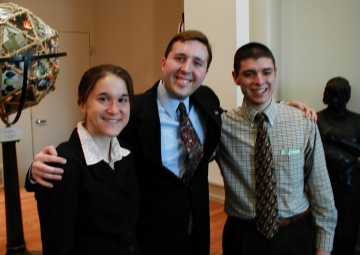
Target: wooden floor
217 221
30 222
32 229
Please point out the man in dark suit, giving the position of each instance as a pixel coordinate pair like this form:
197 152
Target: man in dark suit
174 216
167 204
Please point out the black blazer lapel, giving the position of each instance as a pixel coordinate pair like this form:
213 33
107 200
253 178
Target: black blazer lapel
206 100
148 127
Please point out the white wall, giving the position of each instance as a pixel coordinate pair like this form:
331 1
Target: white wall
226 24
217 20
312 41
265 27
319 39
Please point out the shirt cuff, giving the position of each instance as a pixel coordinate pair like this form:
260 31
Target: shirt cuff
32 181
324 242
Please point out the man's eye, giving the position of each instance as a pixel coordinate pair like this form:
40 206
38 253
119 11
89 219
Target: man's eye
267 72
248 74
198 63
180 58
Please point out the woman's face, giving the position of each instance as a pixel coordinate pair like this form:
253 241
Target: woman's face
107 108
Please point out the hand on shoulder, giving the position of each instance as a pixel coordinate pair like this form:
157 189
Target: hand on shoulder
302 106
41 172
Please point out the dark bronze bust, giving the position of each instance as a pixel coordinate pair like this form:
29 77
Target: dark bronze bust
340 133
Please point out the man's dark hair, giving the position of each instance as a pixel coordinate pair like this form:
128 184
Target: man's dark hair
252 50
190 35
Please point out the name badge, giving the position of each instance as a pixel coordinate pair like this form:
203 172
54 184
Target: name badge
289 151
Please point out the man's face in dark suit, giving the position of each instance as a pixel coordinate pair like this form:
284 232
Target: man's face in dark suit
185 68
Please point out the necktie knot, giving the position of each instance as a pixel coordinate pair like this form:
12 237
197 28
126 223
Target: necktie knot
181 111
182 107
260 118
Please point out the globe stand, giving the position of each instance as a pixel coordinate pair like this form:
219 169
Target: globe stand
14 225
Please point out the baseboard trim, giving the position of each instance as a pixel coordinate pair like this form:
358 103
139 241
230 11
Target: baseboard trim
216 192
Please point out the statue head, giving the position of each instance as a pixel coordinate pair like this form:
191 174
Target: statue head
337 93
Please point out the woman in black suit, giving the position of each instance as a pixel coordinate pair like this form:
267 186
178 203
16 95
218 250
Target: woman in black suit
94 209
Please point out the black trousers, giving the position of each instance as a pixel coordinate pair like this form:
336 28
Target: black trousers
240 237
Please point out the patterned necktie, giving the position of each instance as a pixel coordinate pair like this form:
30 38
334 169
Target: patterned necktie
267 219
194 148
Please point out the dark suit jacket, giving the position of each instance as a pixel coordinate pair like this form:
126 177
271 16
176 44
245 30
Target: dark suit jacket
165 201
93 210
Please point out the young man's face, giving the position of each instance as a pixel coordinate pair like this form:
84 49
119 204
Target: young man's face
257 81
185 68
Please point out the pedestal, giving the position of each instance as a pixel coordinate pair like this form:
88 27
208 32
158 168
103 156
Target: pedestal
14 225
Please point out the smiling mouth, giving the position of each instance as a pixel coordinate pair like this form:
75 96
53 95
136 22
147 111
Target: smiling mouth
259 91
183 81
111 120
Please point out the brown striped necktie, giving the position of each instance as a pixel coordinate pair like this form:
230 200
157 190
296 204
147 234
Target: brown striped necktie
267 219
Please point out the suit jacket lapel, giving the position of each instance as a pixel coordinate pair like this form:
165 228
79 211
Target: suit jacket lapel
149 127
208 107
213 113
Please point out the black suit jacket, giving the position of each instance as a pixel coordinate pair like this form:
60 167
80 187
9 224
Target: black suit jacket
164 200
93 210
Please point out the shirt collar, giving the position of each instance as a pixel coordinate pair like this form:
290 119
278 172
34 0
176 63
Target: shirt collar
250 113
169 103
92 152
